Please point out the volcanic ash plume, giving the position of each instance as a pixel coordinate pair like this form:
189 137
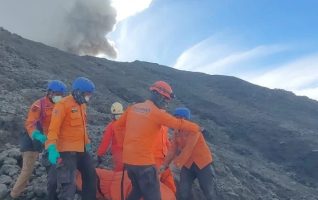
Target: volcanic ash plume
86 26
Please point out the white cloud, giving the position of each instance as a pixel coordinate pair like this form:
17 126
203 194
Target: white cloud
238 58
310 92
202 53
216 55
299 76
130 41
135 41
127 8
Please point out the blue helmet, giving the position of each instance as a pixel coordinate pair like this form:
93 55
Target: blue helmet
182 112
56 86
83 84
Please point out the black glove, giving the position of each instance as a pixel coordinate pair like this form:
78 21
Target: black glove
204 131
99 160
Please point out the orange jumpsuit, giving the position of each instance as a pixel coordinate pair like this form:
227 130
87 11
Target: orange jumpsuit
68 131
199 152
113 136
142 124
197 163
35 114
68 126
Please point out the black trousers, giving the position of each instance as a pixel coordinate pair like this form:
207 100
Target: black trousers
52 183
205 177
63 177
145 182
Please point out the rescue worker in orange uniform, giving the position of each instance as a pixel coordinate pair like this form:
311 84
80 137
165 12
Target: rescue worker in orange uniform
142 123
198 163
68 143
36 125
113 137
160 152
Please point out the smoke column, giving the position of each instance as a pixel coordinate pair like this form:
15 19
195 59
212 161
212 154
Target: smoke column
76 26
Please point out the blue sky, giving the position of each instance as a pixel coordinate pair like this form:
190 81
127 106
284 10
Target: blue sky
269 43
272 43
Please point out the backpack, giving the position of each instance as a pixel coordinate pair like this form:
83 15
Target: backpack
26 142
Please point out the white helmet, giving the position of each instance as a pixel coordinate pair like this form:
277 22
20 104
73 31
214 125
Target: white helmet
117 108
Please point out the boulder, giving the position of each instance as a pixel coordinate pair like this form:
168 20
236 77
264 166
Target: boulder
3 191
4 179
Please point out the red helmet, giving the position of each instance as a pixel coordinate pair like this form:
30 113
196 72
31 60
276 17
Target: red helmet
162 88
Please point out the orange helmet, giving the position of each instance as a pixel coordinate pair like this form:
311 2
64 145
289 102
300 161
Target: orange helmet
162 88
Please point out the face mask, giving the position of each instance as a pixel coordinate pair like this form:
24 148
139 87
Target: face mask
87 98
163 103
56 99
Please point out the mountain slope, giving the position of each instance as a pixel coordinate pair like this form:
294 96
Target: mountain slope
264 141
